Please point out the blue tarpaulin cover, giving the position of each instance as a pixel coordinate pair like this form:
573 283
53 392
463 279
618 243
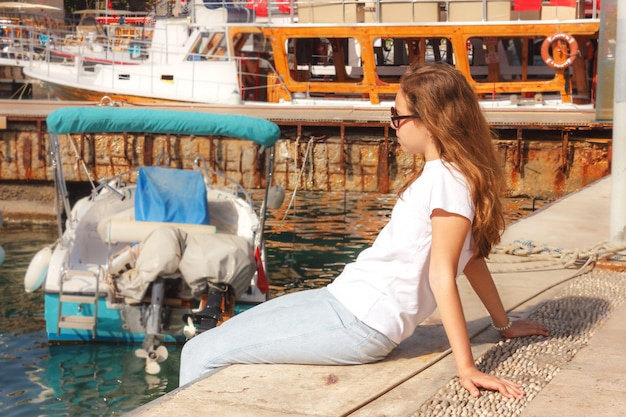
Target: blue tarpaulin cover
177 122
171 195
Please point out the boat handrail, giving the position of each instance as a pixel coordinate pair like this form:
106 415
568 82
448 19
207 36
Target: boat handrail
238 191
401 11
117 181
276 81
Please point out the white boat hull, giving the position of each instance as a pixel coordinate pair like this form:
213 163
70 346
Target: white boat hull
186 81
103 227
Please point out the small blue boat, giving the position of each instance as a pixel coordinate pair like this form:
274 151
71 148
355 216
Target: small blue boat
156 254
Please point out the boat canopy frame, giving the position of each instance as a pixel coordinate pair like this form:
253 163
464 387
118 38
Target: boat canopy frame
75 120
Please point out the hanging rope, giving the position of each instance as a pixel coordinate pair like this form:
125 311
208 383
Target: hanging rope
302 168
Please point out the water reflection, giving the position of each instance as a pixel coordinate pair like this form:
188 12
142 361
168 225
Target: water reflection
310 241
19 311
102 378
77 380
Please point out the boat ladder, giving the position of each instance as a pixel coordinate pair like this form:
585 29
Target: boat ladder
79 321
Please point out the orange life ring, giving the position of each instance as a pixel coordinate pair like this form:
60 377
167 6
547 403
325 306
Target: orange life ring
571 56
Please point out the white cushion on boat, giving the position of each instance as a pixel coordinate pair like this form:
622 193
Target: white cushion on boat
120 230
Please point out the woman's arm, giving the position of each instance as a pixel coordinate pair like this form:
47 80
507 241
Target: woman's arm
449 231
481 281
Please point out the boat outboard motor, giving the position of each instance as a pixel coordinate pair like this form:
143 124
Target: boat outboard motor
152 349
212 313
153 317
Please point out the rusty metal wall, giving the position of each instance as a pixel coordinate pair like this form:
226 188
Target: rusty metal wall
539 163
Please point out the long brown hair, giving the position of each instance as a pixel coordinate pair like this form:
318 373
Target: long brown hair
449 109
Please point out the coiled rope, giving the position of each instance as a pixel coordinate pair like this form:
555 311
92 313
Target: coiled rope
530 251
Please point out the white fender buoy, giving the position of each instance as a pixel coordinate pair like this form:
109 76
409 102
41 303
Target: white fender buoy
2 254
275 197
37 269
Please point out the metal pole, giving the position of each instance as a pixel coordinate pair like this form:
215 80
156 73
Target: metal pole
618 170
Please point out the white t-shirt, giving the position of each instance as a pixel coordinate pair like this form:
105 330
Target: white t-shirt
387 287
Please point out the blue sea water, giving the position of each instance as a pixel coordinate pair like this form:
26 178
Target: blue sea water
38 379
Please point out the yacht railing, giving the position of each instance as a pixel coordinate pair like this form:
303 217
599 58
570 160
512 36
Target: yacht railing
399 11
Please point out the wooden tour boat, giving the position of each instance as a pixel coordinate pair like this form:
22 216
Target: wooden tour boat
345 52
103 37
23 31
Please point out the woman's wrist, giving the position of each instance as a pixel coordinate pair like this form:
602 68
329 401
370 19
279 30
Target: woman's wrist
504 328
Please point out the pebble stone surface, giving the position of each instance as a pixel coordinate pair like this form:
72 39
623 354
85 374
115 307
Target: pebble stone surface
572 317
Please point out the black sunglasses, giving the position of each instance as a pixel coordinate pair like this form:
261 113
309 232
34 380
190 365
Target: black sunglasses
395 119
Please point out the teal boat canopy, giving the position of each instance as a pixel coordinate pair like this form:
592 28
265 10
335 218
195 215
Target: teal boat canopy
176 122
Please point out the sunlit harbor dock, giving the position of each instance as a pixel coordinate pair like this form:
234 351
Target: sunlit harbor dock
326 74
417 378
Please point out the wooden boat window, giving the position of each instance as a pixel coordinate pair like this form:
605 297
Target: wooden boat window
394 55
325 59
494 59
404 51
255 62
209 46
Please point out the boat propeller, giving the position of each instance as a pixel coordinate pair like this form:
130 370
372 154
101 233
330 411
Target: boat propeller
153 358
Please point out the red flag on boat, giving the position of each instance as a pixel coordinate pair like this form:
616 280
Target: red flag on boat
566 3
261 281
524 5
261 10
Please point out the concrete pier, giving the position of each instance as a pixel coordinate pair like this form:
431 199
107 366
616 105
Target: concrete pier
578 371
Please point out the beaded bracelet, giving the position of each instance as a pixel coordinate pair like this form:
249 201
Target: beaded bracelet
504 328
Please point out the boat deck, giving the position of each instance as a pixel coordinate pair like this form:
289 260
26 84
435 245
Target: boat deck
569 373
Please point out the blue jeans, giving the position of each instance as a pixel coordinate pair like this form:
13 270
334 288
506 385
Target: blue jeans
308 327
